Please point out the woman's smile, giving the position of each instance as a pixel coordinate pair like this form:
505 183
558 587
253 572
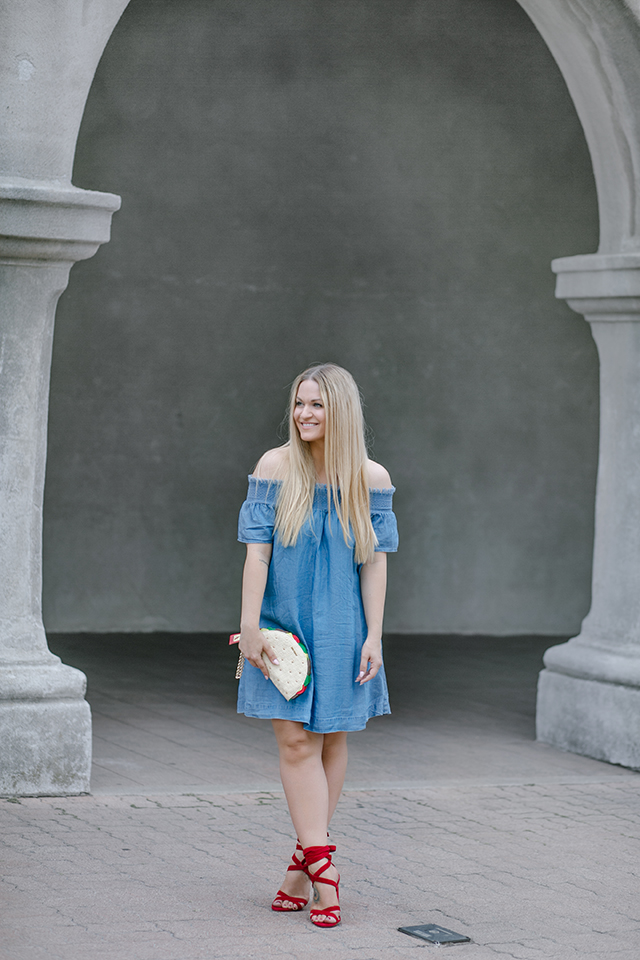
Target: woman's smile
309 412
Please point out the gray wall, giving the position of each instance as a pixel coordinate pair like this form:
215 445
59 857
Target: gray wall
377 182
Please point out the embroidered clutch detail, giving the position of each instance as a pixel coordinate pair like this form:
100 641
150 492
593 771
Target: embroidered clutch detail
292 675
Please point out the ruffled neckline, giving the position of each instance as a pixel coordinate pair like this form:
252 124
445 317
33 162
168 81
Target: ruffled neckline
264 490
319 486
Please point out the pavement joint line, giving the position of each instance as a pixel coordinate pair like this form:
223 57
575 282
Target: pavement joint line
391 786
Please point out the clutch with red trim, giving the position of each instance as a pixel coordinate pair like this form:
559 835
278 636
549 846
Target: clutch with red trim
292 674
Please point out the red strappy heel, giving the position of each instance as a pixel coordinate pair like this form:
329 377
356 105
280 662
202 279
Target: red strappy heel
330 916
299 903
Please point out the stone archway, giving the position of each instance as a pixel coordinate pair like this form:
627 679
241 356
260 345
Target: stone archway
588 693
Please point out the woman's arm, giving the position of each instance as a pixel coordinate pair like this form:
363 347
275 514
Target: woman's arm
373 587
254 579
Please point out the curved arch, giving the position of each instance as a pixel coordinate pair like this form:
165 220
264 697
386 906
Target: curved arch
49 55
596 44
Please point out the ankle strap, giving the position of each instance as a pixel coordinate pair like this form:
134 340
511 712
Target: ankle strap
313 854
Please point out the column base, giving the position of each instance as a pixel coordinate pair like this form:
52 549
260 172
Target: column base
590 717
45 731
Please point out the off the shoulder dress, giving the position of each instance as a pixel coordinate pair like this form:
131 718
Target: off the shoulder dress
313 590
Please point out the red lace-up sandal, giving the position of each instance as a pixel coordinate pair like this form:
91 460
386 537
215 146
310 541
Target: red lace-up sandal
297 903
330 916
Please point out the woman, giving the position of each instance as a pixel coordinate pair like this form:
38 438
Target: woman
318 524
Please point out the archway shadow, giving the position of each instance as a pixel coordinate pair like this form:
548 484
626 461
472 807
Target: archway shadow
165 721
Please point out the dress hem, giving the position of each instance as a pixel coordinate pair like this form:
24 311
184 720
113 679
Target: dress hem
334 724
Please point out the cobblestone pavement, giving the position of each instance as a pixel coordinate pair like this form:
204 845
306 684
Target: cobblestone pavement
455 816
525 871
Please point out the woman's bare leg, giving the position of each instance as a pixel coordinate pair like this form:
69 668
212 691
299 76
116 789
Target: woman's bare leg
304 780
334 761
311 794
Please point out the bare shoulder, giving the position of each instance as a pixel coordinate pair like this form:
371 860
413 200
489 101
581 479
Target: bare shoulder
272 464
379 478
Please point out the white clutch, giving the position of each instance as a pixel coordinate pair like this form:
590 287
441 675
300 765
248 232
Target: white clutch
292 674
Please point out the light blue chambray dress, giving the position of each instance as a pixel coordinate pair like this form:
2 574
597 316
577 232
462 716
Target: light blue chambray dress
313 590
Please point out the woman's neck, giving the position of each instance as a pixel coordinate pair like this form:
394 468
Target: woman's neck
317 452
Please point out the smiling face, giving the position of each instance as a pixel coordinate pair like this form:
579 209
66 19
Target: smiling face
309 413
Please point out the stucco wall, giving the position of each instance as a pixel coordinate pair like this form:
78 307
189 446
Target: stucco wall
378 183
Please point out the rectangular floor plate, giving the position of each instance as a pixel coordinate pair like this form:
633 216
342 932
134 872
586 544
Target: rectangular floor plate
432 933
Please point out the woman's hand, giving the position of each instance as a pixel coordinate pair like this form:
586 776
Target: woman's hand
370 660
253 644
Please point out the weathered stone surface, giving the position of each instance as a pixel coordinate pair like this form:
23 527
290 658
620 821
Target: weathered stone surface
589 696
48 55
45 724
596 44
591 717
589 699
46 747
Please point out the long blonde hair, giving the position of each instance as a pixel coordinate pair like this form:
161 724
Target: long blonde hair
345 458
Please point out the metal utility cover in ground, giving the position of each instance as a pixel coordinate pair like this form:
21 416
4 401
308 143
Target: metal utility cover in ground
432 933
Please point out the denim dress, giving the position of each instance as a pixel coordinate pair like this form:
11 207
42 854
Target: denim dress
313 591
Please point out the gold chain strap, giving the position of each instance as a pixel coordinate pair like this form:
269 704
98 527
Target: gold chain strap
240 666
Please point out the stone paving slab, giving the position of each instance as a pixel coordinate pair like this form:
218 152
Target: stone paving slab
455 816
527 871
165 720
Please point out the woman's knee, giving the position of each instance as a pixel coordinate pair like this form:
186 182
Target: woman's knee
297 744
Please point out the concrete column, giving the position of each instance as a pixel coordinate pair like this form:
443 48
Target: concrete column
48 56
45 723
589 693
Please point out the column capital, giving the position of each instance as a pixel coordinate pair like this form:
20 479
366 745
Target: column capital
46 221
602 287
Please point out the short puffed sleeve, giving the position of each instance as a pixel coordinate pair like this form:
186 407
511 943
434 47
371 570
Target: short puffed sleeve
258 512
383 520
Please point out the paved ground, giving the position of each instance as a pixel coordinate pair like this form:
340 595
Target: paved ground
453 816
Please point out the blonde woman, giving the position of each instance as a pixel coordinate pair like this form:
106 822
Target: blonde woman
318 524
